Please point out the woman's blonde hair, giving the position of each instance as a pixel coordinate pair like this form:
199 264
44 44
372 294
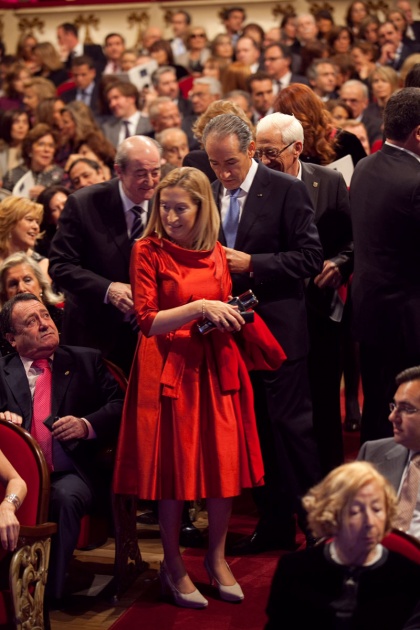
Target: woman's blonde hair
48 296
12 210
48 56
197 185
388 74
216 109
326 502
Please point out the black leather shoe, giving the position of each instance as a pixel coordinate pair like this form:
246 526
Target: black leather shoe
190 536
259 542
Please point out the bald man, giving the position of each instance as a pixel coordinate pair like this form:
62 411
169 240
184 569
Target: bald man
90 254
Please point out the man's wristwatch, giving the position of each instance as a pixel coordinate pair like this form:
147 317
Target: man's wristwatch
14 500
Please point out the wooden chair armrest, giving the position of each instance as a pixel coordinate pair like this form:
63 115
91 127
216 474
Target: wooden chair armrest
37 531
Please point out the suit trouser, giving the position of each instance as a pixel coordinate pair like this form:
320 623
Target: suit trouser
284 417
325 376
70 499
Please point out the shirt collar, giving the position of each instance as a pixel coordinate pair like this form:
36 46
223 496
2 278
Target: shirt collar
403 149
126 201
28 362
247 183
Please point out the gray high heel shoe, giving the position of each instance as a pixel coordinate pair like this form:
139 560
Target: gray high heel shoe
187 600
232 593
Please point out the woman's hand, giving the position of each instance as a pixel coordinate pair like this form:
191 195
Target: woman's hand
9 526
224 316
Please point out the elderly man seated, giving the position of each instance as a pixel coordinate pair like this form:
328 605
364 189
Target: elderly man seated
66 398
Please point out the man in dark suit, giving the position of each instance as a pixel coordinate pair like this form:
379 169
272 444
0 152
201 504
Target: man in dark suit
82 397
127 120
280 141
392 456
385 211
393 50
90 254
86 87
68 41
276 246
412 31
277 62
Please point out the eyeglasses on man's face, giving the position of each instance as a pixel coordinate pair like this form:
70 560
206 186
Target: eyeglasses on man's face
271 153
403 409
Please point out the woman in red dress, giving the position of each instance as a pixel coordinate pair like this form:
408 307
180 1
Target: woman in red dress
188 428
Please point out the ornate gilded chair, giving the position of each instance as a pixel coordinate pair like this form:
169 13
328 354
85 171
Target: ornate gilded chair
23 573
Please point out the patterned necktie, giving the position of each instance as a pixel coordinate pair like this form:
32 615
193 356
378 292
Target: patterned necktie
126 124
42 409
231 220
408 496
137 226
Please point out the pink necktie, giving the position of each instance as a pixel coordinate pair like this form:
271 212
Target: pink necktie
42 409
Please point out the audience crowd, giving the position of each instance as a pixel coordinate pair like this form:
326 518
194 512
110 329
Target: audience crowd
309 134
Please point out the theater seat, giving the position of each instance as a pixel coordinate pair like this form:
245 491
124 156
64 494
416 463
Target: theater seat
23 573
403 543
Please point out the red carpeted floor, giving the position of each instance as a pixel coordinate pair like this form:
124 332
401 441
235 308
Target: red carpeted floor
254 574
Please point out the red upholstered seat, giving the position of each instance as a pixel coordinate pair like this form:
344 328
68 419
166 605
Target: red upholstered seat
27 458
185 85
403 543
22 597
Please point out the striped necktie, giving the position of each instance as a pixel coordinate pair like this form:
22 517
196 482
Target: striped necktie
137 226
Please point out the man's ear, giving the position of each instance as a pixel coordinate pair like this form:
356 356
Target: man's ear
298 147
11 339
251 149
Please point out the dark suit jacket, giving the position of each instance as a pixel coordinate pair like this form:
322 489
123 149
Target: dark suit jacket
70 95
389 458
81 386
95 52
330 199
385 210
111 128
299 78
184 106
90 250
277 228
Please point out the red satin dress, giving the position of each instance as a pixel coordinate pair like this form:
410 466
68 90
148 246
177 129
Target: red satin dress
188 429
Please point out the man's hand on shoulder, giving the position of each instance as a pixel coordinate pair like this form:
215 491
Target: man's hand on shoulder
11 416
239 262
70 428
120 296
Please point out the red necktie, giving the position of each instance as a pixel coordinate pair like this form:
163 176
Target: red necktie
42 409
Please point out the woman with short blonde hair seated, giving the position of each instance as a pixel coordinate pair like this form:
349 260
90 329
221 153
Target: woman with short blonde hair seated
349 581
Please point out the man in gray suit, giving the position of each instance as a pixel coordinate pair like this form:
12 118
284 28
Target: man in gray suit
280 141
127 119
392 456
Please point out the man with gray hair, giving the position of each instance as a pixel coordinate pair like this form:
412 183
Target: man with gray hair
322 76
205 90
90 254
174 144
165 83
280 141
356 95
272 245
